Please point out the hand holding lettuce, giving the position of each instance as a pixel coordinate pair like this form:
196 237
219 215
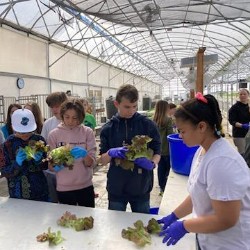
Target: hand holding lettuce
65 156
137 149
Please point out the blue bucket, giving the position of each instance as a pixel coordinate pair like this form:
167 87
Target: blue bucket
154 210
181 156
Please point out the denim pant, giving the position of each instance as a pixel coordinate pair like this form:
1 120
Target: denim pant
136 206
163 171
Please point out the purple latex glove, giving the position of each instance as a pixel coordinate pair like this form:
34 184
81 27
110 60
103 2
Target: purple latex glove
173 233
78 152
38 156
168 220
145 163
21 157
245 125
58 168
118 152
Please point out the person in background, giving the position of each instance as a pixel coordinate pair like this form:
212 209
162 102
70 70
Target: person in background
126 186
218 184
54 101
239 118
74 186
165 127
35 109
24 176
171 112
7 128
89 119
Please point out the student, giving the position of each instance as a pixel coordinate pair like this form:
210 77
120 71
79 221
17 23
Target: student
35 109
125 186
74 186
54 101
165 127
25 177
172 109
171 112
89 119
239 118
218 185
7 128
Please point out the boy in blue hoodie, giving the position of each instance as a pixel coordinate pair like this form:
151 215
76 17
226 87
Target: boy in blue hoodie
126 186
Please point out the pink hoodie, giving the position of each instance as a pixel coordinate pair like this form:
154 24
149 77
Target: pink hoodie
80 176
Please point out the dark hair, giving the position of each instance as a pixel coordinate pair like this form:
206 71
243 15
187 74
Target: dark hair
127 91
37 114
56 98
172 105
195 111
160 114
75 104
68 92
8 119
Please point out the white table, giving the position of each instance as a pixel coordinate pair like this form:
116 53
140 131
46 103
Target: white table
22 220
175 192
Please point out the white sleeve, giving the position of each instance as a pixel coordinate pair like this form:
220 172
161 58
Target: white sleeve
44 132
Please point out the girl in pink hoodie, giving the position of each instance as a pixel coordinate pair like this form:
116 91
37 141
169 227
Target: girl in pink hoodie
74 186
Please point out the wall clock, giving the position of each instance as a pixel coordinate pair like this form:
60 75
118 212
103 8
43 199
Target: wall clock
20 83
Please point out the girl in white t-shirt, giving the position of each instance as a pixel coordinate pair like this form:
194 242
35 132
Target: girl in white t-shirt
219 183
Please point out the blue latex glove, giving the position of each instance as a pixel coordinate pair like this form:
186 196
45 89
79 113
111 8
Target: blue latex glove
38 156
145 163
245 125
58 168
78 152
118 152
173 233
21 157
168 220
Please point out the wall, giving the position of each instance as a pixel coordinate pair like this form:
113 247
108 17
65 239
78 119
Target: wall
46 68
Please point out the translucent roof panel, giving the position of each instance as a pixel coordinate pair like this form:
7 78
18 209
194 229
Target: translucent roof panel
148 38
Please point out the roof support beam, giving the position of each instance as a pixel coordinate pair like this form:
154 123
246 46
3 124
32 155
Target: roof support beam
200 69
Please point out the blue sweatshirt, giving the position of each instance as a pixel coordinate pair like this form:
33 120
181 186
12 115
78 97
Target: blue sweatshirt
126 185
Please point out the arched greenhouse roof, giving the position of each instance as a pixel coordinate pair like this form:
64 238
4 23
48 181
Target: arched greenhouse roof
148 37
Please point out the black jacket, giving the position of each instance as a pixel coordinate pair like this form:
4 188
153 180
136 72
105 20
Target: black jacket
239 112
126 185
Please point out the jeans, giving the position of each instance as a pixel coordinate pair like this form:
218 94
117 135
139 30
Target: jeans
163 171
136 206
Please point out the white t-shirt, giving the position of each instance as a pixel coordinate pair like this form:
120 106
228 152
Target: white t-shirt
221 174
49 125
